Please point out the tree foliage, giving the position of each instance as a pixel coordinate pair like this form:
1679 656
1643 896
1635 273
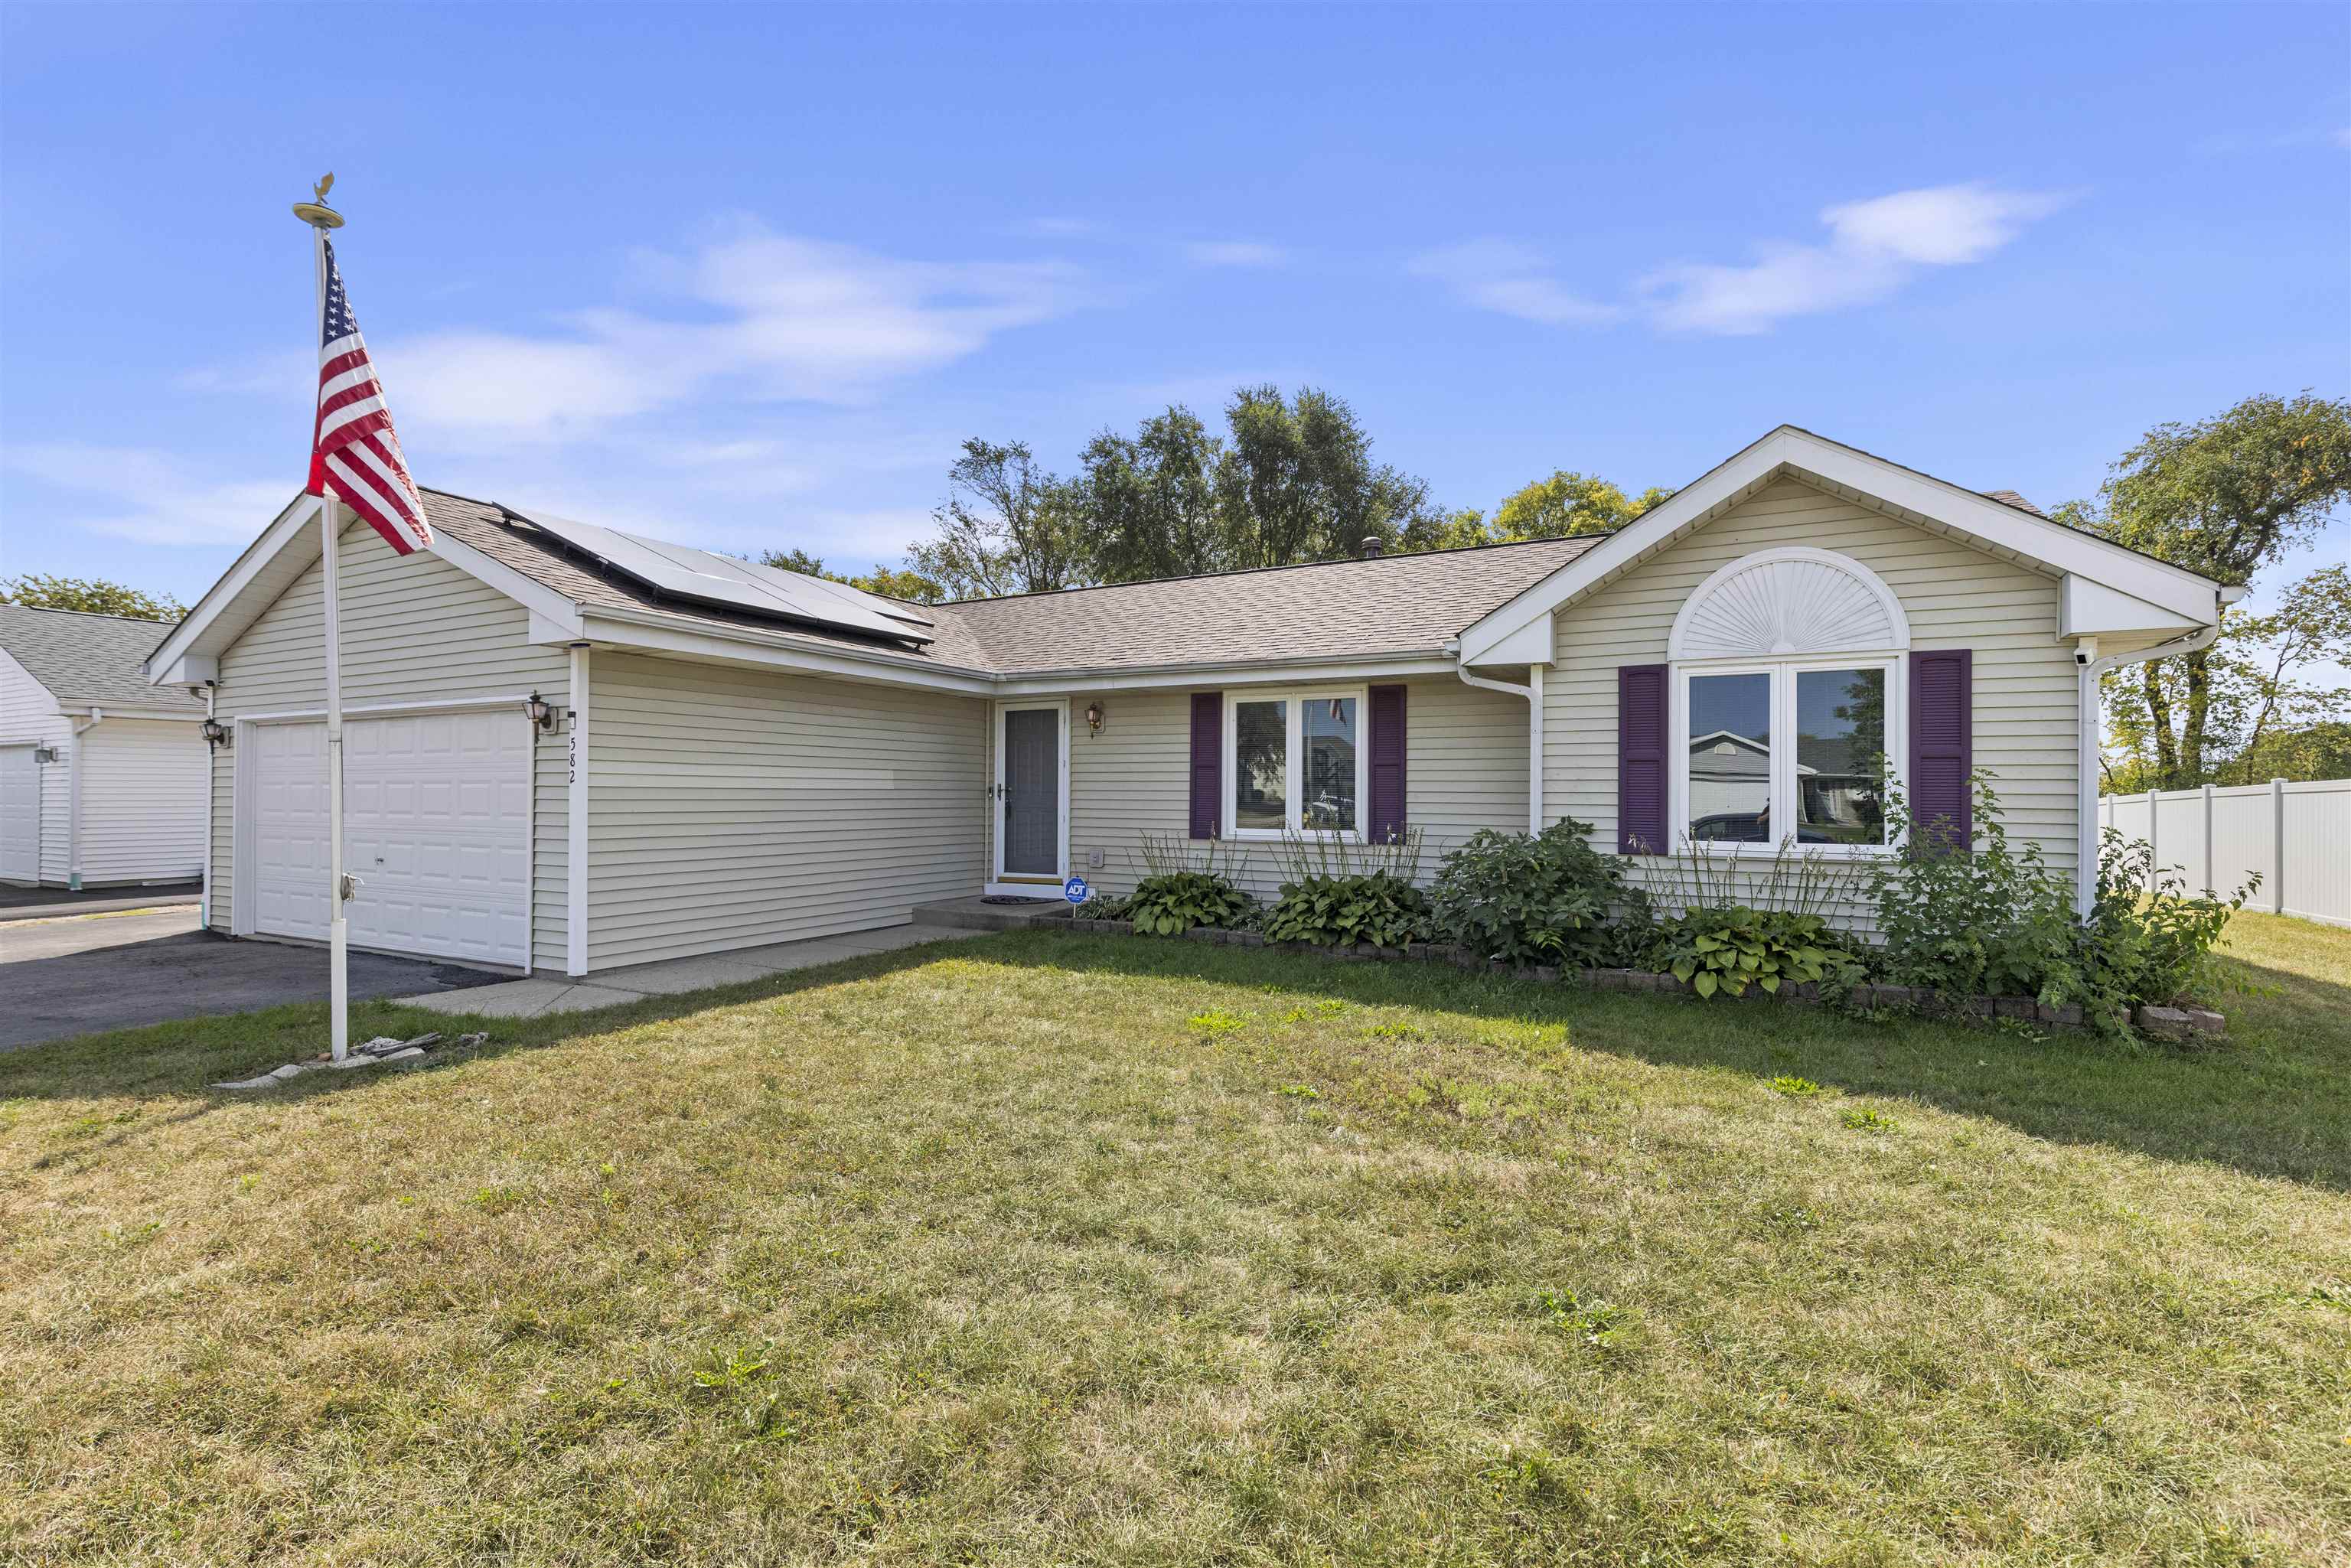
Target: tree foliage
2224 496
1290 478
91 595
890 582
1569 503
1007 526
2264 716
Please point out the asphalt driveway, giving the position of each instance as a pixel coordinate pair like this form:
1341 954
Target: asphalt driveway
85 972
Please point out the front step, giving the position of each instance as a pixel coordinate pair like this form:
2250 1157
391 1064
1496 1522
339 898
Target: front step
975 913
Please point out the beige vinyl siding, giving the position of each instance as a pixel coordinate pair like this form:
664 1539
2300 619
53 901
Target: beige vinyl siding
1955 597
1465 768
28 712
414 628
142 801
729 807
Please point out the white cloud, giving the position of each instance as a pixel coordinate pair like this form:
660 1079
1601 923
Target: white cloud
760 316
1497 275
1874 247
1235 253
150 495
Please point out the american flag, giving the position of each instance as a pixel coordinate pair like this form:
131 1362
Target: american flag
354 448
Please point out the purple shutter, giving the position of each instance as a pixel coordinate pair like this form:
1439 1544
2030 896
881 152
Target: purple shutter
1386 818
1207 764
1641 720
1942 748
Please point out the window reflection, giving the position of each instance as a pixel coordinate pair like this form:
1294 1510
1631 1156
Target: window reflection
1260 753
1840 757
1329 786
1730 759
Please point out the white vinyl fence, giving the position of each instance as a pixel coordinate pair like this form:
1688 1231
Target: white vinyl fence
2298 836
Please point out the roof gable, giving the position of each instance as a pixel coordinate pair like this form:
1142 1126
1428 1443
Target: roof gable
1995 526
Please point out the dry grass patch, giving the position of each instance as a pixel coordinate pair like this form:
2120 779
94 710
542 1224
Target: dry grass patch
998 1253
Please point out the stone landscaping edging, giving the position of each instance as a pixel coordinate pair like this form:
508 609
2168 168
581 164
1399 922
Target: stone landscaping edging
2160 1023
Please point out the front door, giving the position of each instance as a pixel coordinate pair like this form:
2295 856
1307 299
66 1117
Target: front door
1028 796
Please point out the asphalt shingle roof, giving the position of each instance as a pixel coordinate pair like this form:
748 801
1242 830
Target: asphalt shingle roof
1388 605
84 659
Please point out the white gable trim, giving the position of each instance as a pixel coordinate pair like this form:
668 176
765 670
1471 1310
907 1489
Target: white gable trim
190 654
1787 611
1989 525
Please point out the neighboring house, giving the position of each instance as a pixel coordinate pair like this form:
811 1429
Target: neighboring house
102 774
735 757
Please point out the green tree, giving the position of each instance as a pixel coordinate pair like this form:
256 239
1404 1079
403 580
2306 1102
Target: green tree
1570 503
1298 482
1007 526
889 582
2224 496
1151 500
2264 717
92 595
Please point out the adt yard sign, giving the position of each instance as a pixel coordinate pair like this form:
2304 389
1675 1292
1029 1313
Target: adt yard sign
1075 890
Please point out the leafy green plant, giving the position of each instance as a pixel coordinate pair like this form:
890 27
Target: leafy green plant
1861 1119
1547 897
1728 950
1795 1088
1598 1323
1341 911
1172 904
1996 921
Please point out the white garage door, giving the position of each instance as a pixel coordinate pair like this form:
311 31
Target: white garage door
20 814
436 826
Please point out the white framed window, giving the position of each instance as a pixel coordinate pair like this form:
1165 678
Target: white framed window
1789 703
1297 761
1796 750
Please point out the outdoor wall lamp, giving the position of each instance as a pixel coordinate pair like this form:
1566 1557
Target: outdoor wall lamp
44 754
1094 716
217 735
543 713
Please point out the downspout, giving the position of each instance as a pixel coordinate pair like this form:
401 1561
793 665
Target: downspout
2087 717
1532 691
73 799
204 900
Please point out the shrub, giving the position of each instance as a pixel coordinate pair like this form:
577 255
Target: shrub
1994 921
2147 940
1732 948
1341 911
1171 905
1998 921
1539 897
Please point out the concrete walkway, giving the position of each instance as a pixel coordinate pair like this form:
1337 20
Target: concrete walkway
537 996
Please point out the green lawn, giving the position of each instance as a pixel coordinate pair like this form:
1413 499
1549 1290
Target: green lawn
1047 1249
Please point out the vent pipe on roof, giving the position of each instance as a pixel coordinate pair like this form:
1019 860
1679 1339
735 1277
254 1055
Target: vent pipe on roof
1372 547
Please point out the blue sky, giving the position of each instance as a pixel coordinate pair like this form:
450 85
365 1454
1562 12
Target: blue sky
747 277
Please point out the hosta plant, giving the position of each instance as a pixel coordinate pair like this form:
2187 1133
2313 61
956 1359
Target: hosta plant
1171 905
1728 949
1342 911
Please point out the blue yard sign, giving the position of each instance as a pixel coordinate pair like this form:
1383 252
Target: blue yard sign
1075 890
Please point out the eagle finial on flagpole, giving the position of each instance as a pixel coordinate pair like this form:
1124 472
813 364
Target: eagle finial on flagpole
317 214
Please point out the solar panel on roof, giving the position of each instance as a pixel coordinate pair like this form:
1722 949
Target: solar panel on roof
689 573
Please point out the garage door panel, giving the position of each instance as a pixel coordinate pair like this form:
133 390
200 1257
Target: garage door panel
435 826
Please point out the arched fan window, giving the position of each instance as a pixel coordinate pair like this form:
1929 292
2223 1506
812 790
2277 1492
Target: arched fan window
1788 701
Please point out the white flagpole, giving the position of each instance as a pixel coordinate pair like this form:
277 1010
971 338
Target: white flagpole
337 887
